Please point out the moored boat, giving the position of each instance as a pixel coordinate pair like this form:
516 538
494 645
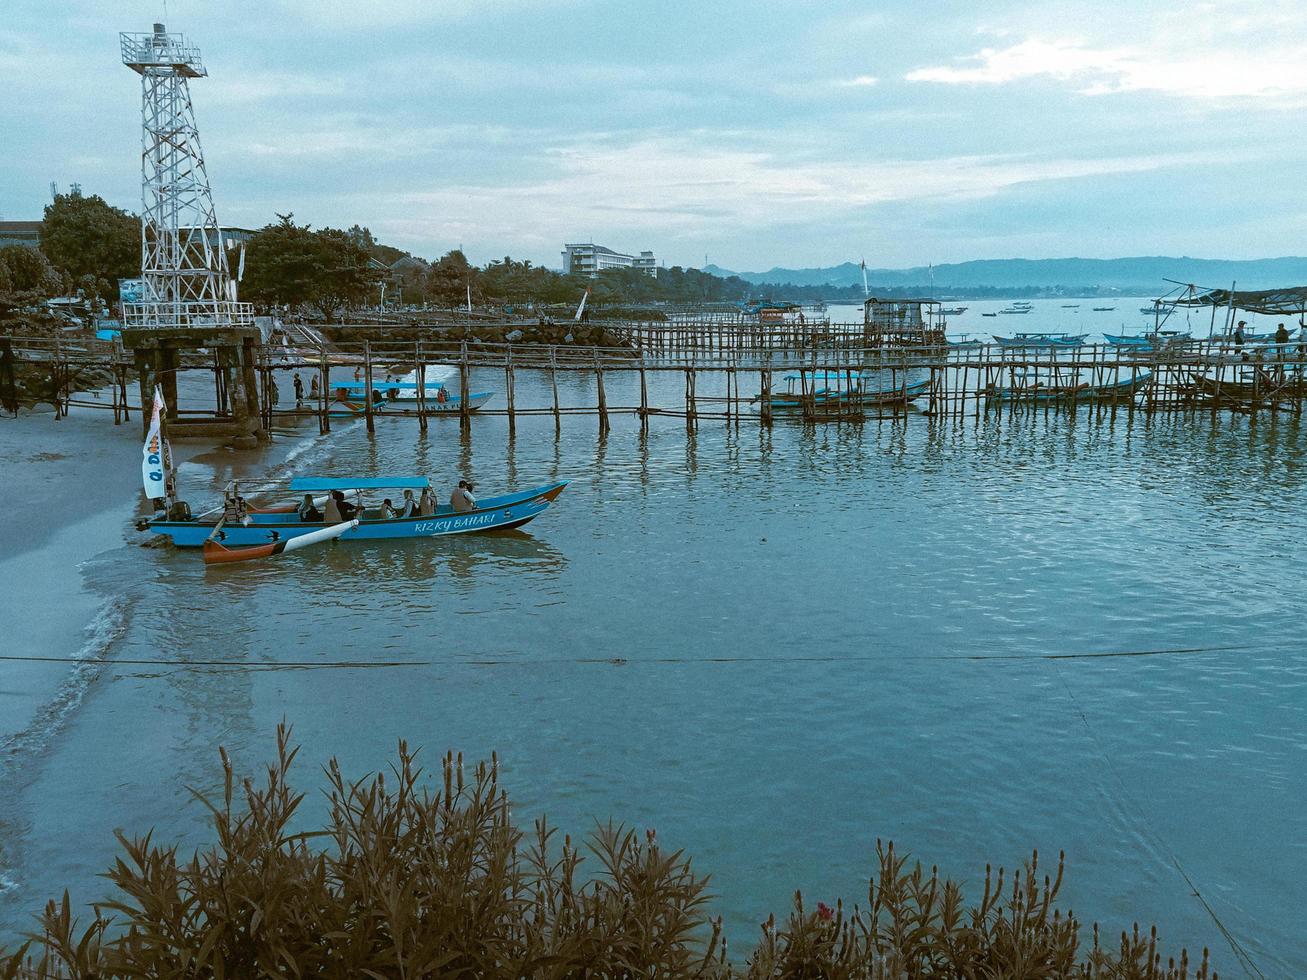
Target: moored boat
836 389
261 527
1041 340
1041 390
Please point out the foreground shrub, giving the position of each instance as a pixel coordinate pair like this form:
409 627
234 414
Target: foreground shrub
406 881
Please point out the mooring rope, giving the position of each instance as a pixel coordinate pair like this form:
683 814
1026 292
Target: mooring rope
1240 951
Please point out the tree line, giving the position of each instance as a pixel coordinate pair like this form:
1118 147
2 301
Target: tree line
87 245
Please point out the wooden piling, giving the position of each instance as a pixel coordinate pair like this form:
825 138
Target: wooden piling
367 386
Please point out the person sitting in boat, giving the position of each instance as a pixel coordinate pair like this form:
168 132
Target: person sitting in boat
331 511
344 508
377 397
442 395
234 510
462 499
410 506
387 510
427 503
308 511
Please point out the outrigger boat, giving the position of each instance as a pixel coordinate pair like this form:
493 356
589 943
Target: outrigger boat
1041 340
259 527
825 391
351 399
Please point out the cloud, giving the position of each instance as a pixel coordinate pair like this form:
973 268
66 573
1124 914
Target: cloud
861 81
690 186
1214 74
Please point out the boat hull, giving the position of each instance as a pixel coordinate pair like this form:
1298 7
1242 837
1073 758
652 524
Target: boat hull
825 399
1082 392
491 514
1075 341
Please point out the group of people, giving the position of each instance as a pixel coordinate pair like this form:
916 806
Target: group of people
337 509
299 390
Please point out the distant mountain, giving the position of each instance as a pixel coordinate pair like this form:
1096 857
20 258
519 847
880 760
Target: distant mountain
1146 272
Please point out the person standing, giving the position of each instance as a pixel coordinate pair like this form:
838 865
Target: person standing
314 391
299 392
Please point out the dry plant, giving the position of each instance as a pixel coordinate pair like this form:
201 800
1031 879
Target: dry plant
407 881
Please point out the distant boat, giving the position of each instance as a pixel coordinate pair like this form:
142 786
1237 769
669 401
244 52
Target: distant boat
953 311
989 314
1070 306
1041 340
1016 309
965 341
1104 309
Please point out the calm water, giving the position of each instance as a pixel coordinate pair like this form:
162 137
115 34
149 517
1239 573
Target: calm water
826 635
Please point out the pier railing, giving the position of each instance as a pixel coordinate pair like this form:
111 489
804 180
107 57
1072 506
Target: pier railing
819 376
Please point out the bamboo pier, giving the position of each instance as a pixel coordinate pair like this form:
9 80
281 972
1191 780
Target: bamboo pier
722 371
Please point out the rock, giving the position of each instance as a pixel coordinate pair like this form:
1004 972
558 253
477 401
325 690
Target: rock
568 338
513 336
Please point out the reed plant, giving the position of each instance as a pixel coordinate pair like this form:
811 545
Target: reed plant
414 878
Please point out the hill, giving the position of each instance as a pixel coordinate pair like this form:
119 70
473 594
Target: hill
1142 273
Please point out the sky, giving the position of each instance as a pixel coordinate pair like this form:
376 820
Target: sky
755 134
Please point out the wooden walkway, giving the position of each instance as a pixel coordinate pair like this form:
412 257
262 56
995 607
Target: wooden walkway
724 372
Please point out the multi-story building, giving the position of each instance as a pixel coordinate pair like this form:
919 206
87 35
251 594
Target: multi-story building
20 233
587 259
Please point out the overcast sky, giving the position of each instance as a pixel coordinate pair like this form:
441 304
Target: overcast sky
759 134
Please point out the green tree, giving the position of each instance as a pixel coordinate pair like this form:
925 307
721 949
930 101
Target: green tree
85 236
449 278
346 275
27 279
282 264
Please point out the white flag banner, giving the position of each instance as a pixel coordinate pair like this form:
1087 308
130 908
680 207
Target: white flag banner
154 456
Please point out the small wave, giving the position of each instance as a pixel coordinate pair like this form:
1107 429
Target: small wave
87 664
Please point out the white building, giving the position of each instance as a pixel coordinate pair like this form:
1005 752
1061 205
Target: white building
587 259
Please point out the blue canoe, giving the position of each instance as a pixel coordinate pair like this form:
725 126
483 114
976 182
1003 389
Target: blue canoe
274 524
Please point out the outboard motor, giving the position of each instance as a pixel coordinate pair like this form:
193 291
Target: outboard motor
179 511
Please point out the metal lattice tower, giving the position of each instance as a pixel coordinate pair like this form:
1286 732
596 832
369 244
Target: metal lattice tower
183 258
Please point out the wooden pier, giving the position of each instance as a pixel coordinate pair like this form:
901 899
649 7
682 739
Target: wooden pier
814 372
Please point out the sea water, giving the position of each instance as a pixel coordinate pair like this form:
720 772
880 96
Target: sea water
977 637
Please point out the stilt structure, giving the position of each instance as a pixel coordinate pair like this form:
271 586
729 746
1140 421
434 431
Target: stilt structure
188 296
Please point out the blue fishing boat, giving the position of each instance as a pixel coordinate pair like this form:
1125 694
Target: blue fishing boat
395 396
238 524
1041 340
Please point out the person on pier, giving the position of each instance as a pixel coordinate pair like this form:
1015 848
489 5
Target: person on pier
299 392
314 391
